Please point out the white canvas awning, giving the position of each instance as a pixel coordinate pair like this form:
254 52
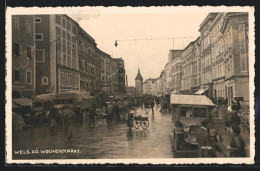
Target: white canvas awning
201 91
191 100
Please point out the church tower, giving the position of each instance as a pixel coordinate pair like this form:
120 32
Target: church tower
139 84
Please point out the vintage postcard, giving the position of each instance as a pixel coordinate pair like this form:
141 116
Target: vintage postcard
132 85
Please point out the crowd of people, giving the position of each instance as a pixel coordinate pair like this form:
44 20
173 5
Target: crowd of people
207 139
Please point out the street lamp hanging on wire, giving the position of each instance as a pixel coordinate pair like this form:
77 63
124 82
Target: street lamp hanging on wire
173 38
116 43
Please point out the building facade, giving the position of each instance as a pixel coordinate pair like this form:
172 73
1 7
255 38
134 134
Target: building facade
215 64
186 62
176 69
88 61
235 55
206 59
23 58
196 66
109 73
150 86
217 44
57 67
121 75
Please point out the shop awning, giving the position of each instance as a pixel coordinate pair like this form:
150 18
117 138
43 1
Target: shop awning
191 100
201 91
21 102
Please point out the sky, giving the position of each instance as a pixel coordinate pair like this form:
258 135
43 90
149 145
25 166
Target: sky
144 37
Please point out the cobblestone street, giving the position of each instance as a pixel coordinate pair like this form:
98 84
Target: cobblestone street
106 141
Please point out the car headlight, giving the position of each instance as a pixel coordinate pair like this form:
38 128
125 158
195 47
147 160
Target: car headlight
186 128
37 113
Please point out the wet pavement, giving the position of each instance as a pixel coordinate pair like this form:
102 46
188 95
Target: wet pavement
110 140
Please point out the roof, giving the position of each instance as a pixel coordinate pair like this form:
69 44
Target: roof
44 97
21 102
138 76
73 94
191 100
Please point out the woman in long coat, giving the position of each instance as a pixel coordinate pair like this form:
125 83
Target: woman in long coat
237 144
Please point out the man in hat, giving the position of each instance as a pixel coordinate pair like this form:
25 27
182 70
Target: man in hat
69 118
203 139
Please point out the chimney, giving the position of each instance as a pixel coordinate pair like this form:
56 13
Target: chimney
126 81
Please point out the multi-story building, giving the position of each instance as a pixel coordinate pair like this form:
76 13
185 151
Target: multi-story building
150 86
109 75
206 60
23 59
217 44
196 68
115 76
168 78
139 84
56 54
186 62
121 75
88 63
159 86
235 54
175 70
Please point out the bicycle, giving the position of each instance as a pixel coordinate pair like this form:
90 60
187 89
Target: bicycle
98 118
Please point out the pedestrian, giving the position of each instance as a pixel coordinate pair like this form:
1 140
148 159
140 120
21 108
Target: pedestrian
116 110
237 144
69 118
78 114
232 117
53 117
92 115
203 140
130 119
152 105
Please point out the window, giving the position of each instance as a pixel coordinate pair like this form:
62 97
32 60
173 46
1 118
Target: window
69 26
40 56
73 29
16 75
38 20
242 36
28 28
185 112
71 79
69 62
66 82
29 52
62 80
45 81
68 43
76 80
58 20
58 38
17 49
74 62
38 36
64 23
58 57
64 41
16 23
73 45
64 59
29 76
199 112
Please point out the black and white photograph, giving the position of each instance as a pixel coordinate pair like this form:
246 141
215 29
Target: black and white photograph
157 85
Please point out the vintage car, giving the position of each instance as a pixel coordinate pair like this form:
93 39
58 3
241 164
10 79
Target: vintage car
187 113
41 105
